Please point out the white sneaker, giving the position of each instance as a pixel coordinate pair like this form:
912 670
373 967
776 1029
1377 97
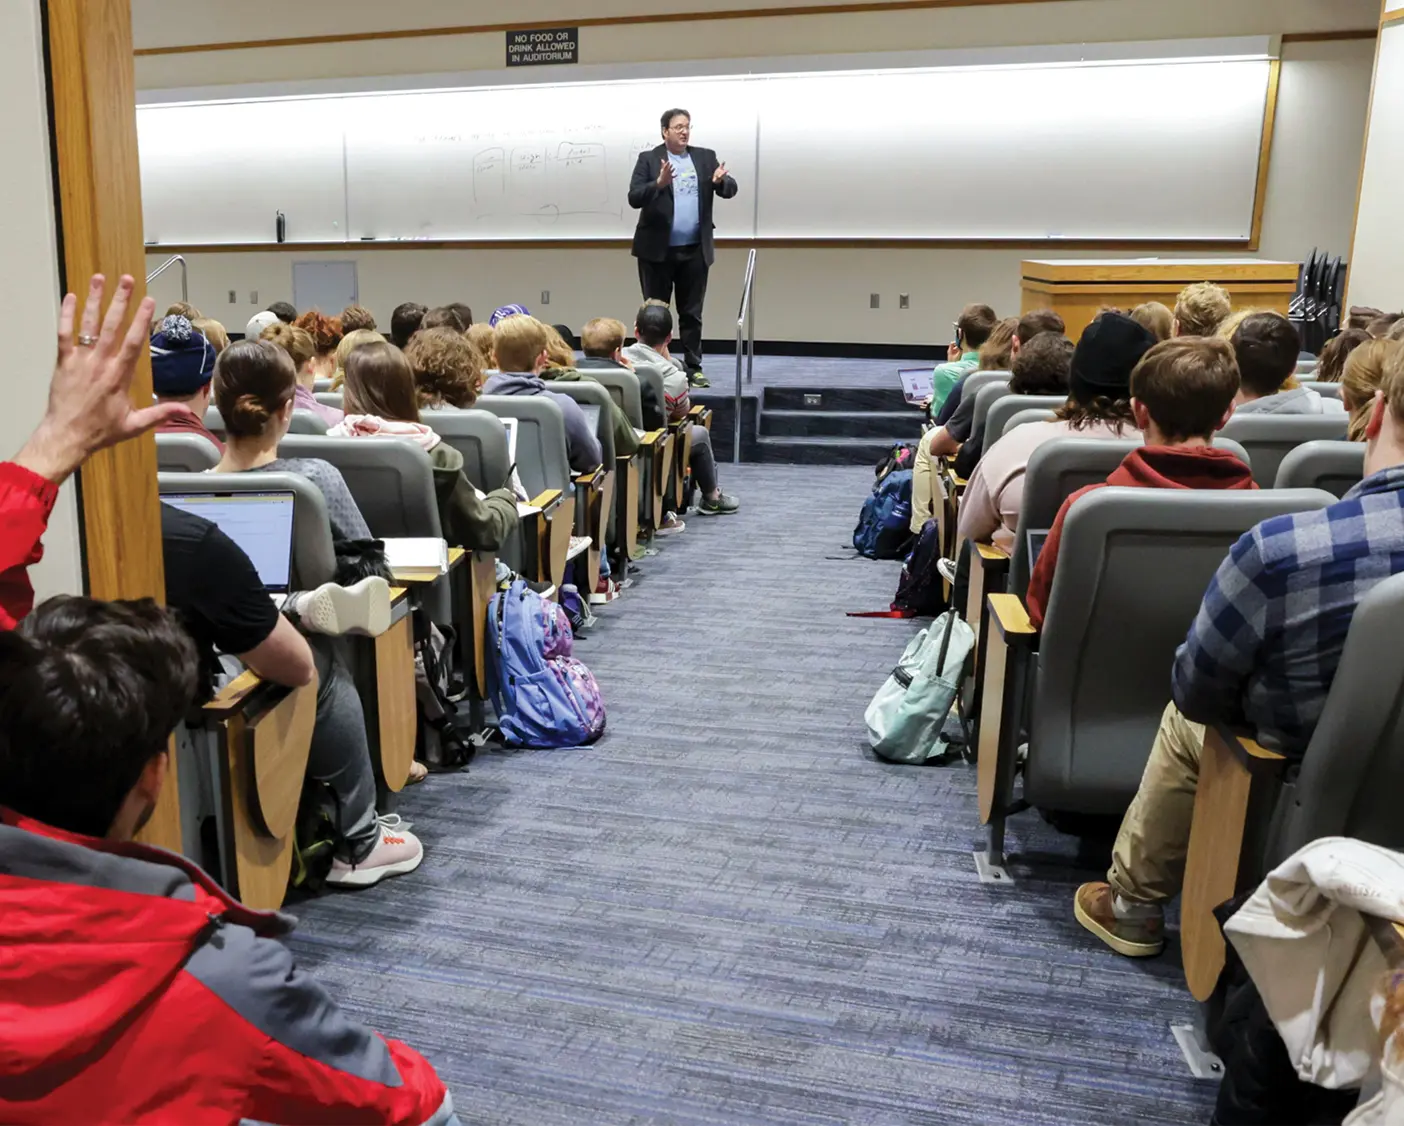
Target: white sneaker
670 526
337 610
398 851
947 567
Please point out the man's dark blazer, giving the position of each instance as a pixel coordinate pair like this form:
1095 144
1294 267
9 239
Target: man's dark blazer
655 204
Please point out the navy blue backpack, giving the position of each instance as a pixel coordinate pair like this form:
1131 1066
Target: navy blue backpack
883 530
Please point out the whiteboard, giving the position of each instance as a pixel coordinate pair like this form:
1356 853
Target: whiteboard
1129 150
528 162
220 172
1167 151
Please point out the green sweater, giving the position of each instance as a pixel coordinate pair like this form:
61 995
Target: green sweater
467 520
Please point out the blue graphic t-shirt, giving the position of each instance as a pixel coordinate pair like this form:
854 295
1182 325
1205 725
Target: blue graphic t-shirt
686 225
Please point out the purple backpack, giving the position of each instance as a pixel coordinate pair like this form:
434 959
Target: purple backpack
543 696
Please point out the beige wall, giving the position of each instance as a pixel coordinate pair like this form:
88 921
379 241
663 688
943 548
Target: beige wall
29 285
1377 268
802 294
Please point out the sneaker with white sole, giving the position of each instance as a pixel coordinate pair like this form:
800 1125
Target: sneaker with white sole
721 505
670 526
605 592
947 567
335 610
398 851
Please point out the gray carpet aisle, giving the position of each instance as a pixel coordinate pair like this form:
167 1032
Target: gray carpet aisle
727 912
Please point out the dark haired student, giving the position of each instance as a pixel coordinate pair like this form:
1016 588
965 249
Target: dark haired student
672 189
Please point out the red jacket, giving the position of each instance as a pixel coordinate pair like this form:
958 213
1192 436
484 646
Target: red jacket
133 990
26 499
1151 467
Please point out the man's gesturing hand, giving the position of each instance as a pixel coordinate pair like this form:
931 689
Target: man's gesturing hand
720 174
665 174
89 406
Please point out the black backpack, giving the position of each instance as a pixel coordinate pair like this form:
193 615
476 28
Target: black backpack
919 590
901 456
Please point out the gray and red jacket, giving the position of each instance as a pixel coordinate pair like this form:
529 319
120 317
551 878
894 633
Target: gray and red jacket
134 990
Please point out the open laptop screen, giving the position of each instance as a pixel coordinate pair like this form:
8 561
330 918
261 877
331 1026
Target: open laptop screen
1037 538
260 523
917 384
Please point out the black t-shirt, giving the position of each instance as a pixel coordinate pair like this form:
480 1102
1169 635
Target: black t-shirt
214 587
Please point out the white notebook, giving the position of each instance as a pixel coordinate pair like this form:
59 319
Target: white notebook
410 553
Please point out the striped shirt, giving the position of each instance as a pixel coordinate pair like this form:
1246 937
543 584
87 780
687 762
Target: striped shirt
1264 647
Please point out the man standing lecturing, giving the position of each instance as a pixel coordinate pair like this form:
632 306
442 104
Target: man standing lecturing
672 187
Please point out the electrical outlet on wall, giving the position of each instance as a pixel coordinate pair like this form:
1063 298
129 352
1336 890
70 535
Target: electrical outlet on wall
233 298
545 297
904 301
874 301
253 297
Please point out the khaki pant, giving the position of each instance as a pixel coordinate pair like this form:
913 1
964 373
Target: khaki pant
1148 859
925 493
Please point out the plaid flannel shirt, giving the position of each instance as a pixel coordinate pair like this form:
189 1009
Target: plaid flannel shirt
1268 637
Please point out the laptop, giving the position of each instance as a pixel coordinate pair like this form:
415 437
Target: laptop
1036 540
591 411
917 384
260 523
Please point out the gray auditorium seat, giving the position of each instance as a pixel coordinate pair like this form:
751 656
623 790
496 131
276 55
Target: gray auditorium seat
1004 410
321 384
1322 387
330 398
623 388
392 483
654 378
1132 571
307 422
587 391
1306 367
314 559
478 435
987 393
1336 467
1056 470
214 422
185 453
1269 437
542 461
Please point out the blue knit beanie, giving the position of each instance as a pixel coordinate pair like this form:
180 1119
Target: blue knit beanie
182 360
505 311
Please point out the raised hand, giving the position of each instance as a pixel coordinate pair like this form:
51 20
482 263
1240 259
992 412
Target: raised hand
953 351
720 174
89 404
665 174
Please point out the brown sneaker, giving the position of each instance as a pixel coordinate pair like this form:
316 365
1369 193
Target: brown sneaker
1136 938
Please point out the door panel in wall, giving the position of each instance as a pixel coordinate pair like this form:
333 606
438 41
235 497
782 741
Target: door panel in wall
328 286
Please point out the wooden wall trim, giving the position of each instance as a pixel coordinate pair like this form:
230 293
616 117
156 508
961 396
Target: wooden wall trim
622 243
100 223
1391 18
1265 152
1328 36
660 17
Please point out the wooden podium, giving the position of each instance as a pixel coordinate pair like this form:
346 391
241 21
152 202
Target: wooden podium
1077 288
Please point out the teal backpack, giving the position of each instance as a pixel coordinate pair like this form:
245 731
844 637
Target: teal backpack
906 717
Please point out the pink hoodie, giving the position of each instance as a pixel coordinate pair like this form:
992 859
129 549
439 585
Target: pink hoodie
372 426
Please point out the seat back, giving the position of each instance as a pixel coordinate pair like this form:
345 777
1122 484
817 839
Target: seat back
214 422
331 399
323 384
1336 467
391 480
542 461
1002 413
307 422
1056 470
987 392
623 388
585 392
1325 388
1132 571
314 558
650 375
1353 771
1269 437
478 435
392 483
185 453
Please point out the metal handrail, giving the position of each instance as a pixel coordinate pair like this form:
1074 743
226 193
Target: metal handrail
166 265
745 343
